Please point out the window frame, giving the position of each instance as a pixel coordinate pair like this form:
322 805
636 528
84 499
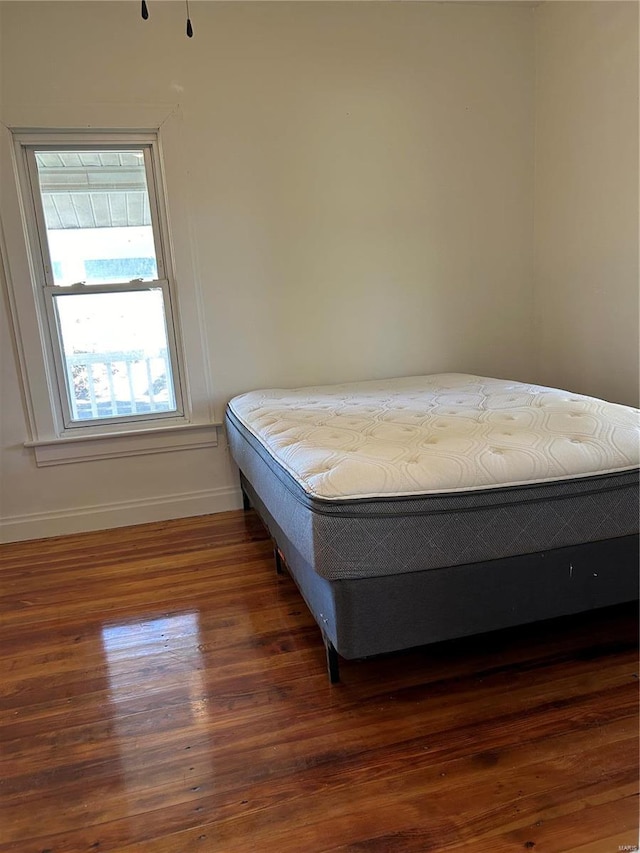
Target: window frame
27 145
51 441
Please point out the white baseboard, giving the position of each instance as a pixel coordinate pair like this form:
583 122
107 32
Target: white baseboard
41 525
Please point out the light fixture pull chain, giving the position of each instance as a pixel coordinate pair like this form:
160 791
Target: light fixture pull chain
145 14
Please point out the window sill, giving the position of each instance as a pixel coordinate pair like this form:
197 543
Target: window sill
86 448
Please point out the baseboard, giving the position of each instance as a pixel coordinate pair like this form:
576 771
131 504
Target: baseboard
42 525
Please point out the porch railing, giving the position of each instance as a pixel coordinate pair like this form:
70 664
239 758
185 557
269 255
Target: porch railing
117 384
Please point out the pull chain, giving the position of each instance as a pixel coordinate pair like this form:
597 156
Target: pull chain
145 14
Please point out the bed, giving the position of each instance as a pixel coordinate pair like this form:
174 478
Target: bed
419 509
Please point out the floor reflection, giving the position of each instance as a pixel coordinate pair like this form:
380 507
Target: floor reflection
159 702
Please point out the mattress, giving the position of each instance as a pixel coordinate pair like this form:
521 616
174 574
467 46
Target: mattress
402 475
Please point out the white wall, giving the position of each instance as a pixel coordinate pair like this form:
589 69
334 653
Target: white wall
586 223
359 181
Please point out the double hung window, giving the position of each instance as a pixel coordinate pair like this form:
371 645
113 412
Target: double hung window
95 210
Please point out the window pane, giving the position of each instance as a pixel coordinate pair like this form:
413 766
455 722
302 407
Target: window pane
116 353
97 216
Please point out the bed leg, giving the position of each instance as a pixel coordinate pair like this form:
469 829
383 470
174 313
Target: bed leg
278 560
246 503
333 665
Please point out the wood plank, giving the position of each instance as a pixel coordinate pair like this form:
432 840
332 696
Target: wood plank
164 690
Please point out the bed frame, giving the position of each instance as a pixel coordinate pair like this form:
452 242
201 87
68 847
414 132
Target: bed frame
362 617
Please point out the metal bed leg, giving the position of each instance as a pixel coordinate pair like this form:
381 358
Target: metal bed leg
278 560
333 665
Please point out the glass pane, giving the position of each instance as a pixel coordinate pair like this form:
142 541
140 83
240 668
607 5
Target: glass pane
116 353
97 216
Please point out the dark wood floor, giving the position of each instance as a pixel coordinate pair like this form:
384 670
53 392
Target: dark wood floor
163 691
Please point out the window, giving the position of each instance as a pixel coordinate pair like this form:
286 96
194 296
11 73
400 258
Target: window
105 292
111 343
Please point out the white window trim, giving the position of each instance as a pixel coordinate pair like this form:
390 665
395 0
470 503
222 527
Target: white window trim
134 443
46 289
49 439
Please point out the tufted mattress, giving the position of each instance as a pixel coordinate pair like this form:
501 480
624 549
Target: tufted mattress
399 476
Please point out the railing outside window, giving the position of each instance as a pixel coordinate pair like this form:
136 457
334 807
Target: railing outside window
113 384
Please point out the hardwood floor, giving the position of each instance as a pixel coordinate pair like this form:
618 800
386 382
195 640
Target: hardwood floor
164 691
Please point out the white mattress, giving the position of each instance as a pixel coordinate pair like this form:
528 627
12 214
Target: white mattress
435 434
